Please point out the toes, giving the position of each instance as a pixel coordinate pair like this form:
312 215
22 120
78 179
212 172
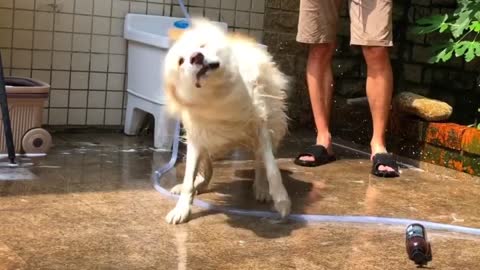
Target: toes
281 200
262 196
307 158
261 192
178 215
176 190
385 168
283 207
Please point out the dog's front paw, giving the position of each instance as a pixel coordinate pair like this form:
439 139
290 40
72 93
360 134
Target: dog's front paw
261 193
178 215
283 207
176 190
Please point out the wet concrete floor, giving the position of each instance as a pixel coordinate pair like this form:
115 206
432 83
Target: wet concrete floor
90 204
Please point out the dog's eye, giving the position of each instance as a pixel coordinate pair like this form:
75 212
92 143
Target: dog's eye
180 61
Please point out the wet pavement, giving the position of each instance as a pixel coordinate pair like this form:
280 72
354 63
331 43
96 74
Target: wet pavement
90 204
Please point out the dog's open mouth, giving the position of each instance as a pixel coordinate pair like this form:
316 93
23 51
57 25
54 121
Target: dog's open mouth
198 59
203 71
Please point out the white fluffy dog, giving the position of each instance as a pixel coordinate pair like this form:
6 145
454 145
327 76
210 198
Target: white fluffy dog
228 93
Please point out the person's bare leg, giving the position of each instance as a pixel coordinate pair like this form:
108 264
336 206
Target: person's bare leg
379 93
320 88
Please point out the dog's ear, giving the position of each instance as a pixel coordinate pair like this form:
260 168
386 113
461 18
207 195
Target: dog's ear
206 26
171 97
240 37
175 34
174 102
198 21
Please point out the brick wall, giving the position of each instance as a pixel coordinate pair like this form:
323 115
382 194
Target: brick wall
456 82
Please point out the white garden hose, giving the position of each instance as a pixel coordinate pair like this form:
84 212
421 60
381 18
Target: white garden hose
176 134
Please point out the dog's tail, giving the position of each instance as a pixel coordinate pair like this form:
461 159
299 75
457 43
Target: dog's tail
278 83
275 93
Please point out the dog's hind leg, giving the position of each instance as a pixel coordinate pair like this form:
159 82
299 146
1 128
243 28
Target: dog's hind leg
182 210
205 175
277 189
202 179
260 183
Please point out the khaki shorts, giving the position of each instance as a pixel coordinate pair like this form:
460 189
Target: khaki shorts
370 22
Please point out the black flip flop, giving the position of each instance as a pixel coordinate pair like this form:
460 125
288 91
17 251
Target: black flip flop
385 159
318 152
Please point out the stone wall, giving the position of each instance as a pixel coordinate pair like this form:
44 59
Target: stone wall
456 82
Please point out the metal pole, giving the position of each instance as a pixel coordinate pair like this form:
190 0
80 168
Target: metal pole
6 116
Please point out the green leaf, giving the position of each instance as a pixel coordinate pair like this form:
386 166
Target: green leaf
431 24
444 55
477 15
439 47
461 24
447 55
475 26
473 50
461 47
443 27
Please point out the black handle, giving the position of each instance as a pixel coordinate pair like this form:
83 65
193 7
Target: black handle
6 116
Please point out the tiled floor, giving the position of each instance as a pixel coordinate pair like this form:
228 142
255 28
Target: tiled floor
90 204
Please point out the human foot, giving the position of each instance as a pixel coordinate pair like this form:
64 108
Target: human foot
323 141
384 164
314 155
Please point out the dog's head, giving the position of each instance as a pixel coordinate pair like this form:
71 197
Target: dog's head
198 61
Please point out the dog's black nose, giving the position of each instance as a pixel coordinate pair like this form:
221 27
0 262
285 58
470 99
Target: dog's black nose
214 65
197 59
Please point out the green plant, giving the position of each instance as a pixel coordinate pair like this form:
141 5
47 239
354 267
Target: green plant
463 26
464 29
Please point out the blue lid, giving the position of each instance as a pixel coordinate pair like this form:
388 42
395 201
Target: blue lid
182 24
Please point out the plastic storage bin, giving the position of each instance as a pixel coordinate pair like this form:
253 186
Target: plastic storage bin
26 98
